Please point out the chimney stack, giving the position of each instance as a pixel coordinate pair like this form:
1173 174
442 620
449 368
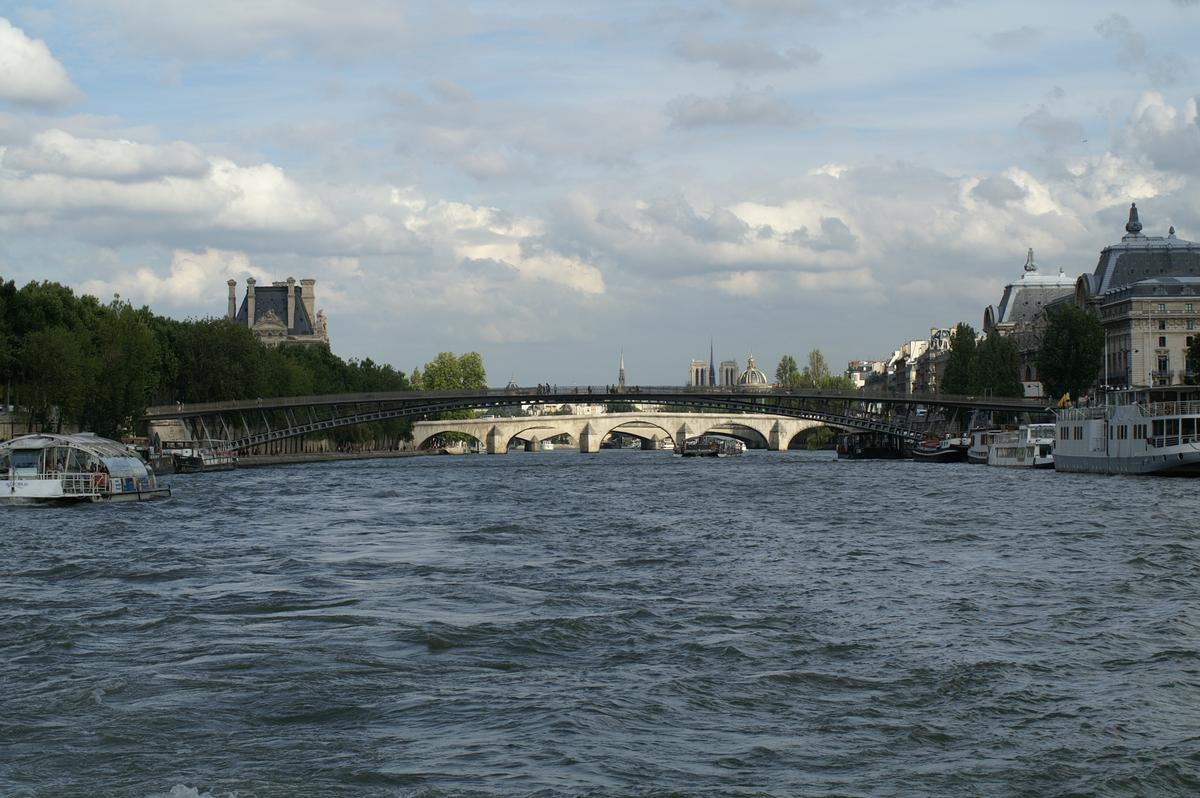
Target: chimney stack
308 297
232 298
250 302
291 320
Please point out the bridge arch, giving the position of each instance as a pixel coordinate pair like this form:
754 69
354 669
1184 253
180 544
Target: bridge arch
748 434
627 427
543 432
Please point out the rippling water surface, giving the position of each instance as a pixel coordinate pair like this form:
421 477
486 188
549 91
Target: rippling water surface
624 623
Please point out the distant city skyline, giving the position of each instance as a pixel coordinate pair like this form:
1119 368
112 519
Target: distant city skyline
552 188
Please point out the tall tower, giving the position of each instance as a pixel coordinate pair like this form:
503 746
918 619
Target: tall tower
712 369
621 373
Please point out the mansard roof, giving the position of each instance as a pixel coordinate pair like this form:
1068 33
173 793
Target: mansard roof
1171 286
1024 299
1139 257
273 299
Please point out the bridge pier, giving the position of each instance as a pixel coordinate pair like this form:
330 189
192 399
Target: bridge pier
496 441
651 444
778 440
682 434
534 444
589 440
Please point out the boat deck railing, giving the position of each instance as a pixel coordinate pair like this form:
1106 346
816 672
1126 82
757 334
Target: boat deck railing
1163 441
1081 413
1189 408
75 484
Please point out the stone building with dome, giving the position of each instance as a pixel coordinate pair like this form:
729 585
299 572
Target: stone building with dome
1021 315
729 375
282 313
1146 292
753 377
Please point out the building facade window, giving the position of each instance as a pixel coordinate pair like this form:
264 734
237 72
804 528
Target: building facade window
1162 324
1162 340
1162 307
1187 307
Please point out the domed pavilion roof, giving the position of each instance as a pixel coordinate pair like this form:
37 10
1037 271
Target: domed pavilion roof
752 376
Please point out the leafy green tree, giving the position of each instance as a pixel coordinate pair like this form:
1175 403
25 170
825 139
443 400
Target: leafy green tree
999 366
56 373
819 438
838 382
8 342
962 369
1193 361
450 372
125 358
816 372
218 361
1072 352
787 373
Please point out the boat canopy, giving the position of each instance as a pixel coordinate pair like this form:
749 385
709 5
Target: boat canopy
71 453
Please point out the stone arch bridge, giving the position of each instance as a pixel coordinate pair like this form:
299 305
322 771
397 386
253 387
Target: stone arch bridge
250 424
497 433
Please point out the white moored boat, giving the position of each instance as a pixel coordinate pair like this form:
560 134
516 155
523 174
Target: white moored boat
1136 431
83 467
1031 446
981 442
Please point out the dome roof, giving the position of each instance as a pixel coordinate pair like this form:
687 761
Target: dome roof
752 376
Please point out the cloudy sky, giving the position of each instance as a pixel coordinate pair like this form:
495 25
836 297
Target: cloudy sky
548 182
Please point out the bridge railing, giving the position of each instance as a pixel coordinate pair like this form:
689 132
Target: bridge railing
594 394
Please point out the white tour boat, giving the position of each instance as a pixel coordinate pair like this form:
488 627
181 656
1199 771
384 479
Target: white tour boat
1135 431
83 467
1031 446
981 441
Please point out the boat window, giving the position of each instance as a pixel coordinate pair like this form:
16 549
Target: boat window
26 459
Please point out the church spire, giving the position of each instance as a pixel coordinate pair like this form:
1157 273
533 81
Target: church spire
621 372
712 368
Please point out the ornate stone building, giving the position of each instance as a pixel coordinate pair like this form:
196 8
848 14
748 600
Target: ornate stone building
1146 292
1022 313
753 377
283 313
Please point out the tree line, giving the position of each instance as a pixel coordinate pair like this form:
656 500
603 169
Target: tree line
816 374
73 361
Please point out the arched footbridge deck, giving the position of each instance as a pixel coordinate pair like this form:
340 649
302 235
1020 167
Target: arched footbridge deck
256 422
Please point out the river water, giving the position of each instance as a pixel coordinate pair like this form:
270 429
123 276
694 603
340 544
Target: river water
626 623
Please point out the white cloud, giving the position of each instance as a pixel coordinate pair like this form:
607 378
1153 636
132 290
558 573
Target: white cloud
58 152
29 74
1167 136
190 275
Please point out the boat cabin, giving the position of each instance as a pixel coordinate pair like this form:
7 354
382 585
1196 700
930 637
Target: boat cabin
84 465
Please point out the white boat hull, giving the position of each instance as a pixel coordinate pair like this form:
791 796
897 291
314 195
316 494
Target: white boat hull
1178 462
